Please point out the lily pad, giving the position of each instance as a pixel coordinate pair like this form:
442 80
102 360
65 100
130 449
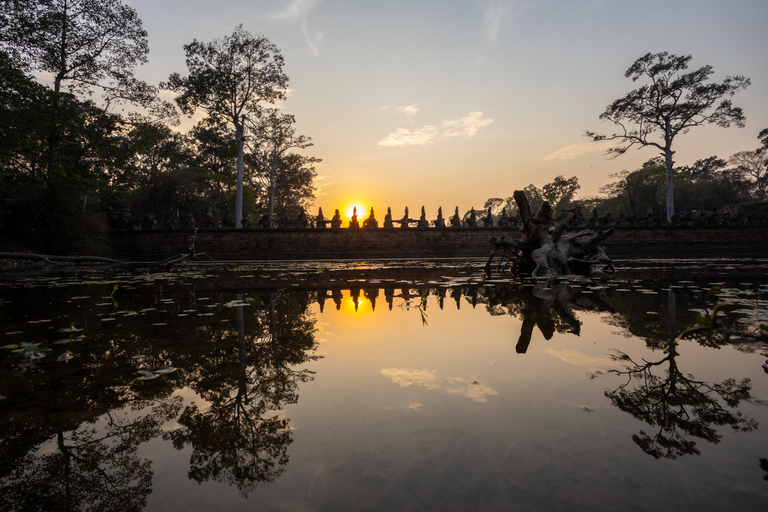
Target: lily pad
70 329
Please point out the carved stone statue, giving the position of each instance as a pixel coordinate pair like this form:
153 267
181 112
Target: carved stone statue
423 222
171 219
148 221
247 221
264 221
472 219
488 219
284 222
405 221
336 220
440 221
301 220
208 221
353 222
594 218
607 218
388 219
189 221
118 215
370 222
504 221
456 219
321 220
228 221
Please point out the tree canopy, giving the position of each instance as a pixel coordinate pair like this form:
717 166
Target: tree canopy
671 103
228 79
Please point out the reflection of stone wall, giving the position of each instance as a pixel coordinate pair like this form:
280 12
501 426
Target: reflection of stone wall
293 244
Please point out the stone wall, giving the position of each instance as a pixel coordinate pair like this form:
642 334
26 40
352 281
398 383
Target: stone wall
293 244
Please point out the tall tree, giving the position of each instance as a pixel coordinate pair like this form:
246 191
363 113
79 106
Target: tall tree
671 104
276 136
228 78
82 44
754 167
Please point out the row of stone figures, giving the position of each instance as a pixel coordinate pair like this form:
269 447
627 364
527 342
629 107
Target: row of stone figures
737 214
405 222
119 218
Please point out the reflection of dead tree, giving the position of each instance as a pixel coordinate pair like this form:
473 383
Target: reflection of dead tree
550 311
545 247
678 405
549 306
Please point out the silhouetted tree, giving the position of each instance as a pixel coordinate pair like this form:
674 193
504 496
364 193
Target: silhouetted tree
754 166
671 104
275 136
82 44
228 78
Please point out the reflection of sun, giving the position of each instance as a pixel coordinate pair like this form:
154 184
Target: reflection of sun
348 303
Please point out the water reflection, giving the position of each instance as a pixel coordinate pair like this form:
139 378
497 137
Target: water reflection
240 437
71 432
53 462
677 405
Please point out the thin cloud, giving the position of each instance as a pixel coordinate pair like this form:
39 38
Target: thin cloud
577 358
414 406
312 42
295 9
320 186
408 110
494 12
299 10
467 126
405 137
574 150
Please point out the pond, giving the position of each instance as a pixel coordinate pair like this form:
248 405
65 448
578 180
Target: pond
405 385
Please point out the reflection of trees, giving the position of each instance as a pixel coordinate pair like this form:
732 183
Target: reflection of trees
89 468
677 405
70 432
240 437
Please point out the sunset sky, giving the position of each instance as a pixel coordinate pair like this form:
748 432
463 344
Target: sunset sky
449 102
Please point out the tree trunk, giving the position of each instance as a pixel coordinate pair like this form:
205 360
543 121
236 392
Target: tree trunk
669 185
272 193
239 191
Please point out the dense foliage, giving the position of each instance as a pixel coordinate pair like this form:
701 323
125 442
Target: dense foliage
96 133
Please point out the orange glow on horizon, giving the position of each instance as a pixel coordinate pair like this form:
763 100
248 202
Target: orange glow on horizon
362 212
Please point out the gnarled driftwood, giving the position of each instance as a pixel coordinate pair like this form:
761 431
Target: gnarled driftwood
546 248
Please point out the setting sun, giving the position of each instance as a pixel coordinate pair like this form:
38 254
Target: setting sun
362 212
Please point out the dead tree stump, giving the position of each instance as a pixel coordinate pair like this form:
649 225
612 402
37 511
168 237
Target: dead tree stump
546 248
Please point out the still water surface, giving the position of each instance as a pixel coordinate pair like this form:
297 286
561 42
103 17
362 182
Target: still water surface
397 386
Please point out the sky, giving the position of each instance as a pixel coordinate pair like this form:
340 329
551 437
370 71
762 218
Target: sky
450 102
